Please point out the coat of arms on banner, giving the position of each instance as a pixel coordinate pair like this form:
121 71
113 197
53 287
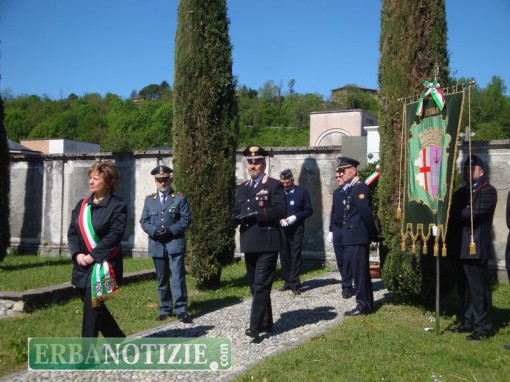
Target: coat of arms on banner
428 152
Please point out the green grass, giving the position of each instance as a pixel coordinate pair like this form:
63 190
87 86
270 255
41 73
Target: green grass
135 311
392 345
24 272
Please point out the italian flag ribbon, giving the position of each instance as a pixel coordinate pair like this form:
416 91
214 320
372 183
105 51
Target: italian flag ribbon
434 90
373 176
103 282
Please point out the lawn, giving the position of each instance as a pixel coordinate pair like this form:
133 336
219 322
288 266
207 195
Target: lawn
24 272
135 310
393 345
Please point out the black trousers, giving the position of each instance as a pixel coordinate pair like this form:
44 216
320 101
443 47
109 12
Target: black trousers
290 255
98 319
476 296
358 257
342 262
261 267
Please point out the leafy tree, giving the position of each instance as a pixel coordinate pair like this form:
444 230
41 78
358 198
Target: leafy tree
412 44
5 230
205 129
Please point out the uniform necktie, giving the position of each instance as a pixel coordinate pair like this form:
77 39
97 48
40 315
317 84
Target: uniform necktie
253 184
163 199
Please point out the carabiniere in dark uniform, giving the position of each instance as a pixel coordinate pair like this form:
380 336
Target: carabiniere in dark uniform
259 206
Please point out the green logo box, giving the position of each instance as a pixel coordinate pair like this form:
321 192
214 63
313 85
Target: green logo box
207 354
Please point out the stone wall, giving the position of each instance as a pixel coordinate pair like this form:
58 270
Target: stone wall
45 189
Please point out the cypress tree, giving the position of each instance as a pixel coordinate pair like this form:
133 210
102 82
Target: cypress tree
4 187
412 48
205 130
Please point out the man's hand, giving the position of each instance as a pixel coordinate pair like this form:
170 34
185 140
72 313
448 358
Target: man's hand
291 219
162 234
434 230
283 222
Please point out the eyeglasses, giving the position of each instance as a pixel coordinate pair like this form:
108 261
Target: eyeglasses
161 180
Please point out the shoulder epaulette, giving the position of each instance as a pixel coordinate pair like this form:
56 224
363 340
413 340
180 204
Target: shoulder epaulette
155 195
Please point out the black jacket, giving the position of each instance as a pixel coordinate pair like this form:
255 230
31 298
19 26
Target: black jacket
459 225
260 233
109 221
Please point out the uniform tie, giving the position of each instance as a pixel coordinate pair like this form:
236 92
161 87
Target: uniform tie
253 184
163 199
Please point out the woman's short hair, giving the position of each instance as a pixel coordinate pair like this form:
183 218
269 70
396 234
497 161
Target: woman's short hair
108 171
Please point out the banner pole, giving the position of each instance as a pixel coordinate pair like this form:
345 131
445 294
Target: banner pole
437 296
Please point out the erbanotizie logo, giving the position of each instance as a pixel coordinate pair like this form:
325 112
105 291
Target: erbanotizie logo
208 354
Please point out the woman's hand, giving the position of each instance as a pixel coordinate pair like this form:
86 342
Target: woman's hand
84 260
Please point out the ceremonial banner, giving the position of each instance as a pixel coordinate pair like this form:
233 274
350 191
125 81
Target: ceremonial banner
432 126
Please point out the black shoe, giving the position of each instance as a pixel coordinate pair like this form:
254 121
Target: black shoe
296 291
284 288
507 347
475 336
185 318
251 333
460 329
163 317
356 312
347 293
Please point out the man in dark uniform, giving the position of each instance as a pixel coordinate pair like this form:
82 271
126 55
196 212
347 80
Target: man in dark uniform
336 223
359 231
471 262
299 207
165 217
259 206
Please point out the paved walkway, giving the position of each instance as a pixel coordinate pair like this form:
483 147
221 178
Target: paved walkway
296 318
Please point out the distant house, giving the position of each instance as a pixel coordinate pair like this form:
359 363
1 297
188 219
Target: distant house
16 148
60 146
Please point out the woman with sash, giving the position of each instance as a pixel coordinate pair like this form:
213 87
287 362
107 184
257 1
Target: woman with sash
95 233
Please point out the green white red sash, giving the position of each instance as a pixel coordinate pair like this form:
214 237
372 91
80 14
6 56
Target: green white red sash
104 284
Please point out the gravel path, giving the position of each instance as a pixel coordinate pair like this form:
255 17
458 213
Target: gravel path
296 318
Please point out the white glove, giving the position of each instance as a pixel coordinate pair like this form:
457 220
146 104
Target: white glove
291 219
434 230
330 237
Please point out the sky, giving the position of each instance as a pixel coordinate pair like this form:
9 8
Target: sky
57 47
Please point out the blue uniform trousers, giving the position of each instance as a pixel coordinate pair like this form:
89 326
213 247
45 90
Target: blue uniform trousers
171 277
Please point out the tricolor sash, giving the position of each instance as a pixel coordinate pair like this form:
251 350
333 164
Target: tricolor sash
103 282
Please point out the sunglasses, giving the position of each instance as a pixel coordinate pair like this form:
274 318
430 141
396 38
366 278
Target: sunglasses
161 180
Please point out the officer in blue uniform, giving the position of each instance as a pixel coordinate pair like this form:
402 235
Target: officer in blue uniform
359 230
259 206
299 208
336 224
165 217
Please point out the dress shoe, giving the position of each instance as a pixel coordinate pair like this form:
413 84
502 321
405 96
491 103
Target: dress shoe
296 291
475 336
507 347
163 317
251 333
356 312
284 288
185 318
460 329
347 293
